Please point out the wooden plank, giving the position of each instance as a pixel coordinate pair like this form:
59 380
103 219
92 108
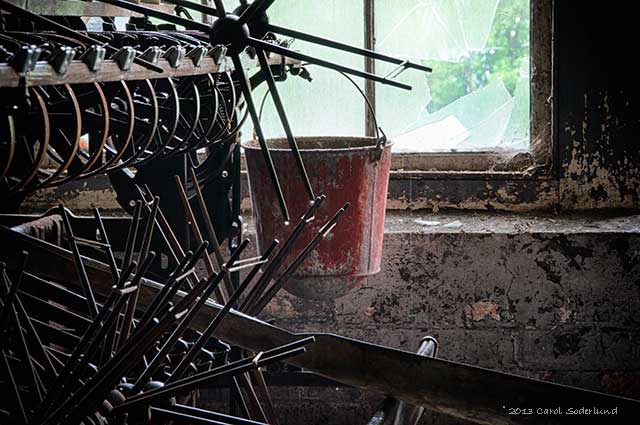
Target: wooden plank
79 73
110 71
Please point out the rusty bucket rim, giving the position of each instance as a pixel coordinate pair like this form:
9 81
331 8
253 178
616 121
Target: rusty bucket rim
253 144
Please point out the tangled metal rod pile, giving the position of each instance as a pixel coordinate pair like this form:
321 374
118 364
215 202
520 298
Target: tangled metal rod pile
70 357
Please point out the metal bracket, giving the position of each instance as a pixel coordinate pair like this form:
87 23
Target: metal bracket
93 57
175 55
61 59
24 60
197 55
218 53
124 57
152 54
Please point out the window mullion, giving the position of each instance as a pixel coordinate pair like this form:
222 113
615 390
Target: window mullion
369 64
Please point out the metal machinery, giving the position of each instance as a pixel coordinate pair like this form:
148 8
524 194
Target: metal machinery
107 320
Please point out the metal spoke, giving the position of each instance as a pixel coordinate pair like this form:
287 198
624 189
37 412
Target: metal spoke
246 91
274 48
275 95
255 9
345 47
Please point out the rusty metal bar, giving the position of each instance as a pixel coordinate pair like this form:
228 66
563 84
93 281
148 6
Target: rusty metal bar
371 129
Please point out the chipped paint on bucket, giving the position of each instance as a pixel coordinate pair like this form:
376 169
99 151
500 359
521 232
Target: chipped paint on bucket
345 169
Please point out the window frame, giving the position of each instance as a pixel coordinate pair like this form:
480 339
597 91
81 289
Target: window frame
538 160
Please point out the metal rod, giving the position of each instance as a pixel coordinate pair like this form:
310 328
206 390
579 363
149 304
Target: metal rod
208 332
293 144
280 282
208 286
274 265
37 345
220 8
246 91
36 383
208 224
233 368
55 391
73 405
111 339
82 273
89 332
14 387
320 62
345 47
147 236
148 11
194 6
227 419
14 285
172 285
198 235
127 320
160 415
167 234
255 9
132 303
132 235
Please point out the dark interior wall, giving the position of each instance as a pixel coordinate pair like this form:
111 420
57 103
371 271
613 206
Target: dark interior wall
596 104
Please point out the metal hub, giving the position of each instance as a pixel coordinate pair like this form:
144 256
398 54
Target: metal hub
230 32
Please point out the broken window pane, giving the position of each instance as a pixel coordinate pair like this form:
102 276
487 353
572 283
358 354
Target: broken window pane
477 98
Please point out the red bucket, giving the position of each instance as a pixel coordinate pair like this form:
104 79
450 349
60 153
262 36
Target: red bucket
345 169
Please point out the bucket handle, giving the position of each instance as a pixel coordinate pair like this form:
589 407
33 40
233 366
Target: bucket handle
381 137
